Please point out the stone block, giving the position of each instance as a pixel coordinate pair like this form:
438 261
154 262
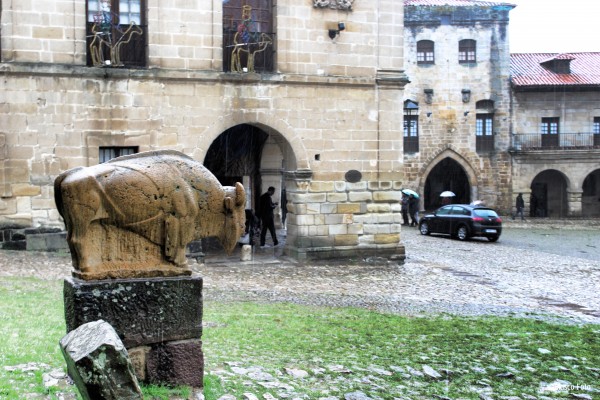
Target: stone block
176 363
99 363
346 240
387 238
360 196
143 311
349 208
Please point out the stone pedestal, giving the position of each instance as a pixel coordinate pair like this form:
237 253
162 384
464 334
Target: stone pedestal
158 319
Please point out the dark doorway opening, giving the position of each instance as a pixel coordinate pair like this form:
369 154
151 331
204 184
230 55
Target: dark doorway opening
235 156
549 194
446 175
591 195
236 153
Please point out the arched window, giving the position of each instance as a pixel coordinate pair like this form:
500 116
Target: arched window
425 52
248 36
484 128
467 51
411 126
116 33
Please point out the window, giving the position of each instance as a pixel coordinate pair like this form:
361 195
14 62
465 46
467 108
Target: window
248 36
550 126
549 130
425 53
411 126
116 33
596 131
467 51
108 153
484 126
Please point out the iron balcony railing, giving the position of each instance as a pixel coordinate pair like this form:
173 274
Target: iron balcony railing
556 141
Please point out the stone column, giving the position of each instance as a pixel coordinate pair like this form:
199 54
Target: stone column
297 183
574 203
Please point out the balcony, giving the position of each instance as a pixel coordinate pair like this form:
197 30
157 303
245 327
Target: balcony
558 141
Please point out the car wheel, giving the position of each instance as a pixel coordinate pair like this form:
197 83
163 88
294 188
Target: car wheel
493 238
462 233
424 228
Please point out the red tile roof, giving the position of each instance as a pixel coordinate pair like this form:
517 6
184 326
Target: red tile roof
455 3
526 70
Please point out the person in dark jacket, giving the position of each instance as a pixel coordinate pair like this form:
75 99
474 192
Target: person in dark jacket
520 206
404 205
413 207
266 207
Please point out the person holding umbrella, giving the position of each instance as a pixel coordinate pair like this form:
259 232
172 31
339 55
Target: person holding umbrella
413 207
447 197
404 204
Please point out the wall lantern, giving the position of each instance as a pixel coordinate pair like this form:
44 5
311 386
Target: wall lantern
334 32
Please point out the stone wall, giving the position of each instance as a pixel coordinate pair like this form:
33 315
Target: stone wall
331 106
447 92
576 110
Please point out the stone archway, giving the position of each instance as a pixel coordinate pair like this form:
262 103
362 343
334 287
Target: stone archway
235 156
255 156
549 195
447 174
590 200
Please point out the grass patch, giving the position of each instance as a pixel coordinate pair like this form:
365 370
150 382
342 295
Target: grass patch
251 347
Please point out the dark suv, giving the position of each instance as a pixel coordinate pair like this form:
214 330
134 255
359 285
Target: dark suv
462 221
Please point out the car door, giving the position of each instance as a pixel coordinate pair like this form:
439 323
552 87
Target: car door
442 220
458 215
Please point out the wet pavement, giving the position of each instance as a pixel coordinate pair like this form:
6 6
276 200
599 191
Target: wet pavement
541 269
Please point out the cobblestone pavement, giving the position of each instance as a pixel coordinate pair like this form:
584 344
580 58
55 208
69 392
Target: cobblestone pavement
550 270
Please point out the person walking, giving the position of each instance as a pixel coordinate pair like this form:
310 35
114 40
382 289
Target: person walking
266 207
413 207
404 205
520 206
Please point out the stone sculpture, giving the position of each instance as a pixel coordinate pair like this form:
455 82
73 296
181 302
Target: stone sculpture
133 216
345 5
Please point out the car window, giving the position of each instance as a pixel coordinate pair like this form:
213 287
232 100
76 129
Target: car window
485 212
444 211
460 211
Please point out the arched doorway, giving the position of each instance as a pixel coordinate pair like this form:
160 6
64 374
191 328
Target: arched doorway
590 200
256 157
549 195
235 156
446 175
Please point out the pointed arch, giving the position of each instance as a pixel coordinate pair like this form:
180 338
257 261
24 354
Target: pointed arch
465 178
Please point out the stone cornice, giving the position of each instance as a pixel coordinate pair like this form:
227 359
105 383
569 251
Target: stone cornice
395 78
160 74
555 156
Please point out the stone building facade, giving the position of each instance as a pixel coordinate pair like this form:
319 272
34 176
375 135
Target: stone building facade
556 133
306 94
457 106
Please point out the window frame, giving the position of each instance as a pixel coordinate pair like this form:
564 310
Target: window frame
484 124
134 52
550 126
596 126
117 150
249 54
425 52
550 132
411 126
467 51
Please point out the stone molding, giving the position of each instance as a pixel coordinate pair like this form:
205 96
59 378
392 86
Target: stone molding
345 5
